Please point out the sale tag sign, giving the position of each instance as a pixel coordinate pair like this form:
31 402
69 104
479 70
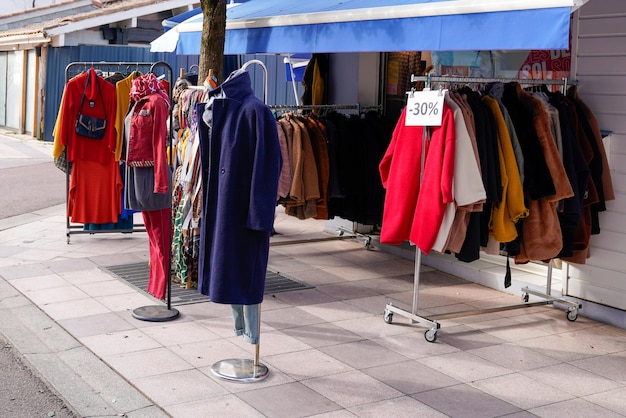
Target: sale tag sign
424 108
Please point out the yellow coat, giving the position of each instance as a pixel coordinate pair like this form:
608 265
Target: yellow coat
57 146
505 215
122 92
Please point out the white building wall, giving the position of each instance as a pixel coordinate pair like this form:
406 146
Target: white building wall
599 64
14 97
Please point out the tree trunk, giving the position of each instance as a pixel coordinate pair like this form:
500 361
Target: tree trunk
213 36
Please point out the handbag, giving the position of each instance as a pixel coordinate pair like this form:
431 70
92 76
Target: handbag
90 126
61 162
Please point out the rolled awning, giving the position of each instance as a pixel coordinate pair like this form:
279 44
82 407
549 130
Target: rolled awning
279 26
173 21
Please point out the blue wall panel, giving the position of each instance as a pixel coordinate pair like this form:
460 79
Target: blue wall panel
280 91
59 58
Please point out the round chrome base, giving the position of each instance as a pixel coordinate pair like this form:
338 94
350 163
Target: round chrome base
241 370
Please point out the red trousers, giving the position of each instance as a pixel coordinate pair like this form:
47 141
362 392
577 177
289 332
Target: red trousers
157 224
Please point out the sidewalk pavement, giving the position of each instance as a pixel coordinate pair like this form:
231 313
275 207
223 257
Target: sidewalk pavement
328 350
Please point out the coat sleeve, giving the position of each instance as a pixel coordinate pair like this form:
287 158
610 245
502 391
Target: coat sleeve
59 142
385 163
266 168
159 138
63 127
110 103
447 169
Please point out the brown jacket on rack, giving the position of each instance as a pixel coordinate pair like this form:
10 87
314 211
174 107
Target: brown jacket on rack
317 136
304 191
582 233
607 183
541 236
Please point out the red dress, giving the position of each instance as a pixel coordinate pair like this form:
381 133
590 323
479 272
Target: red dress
95 184
95 192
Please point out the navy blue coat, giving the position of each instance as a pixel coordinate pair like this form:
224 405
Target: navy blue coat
241 163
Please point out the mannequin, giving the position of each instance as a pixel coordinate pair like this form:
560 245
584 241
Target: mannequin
241 163
148 175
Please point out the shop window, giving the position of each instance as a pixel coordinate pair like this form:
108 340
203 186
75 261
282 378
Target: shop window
535 64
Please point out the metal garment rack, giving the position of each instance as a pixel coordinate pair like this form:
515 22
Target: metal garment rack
74 68
155 313
431 334
341 231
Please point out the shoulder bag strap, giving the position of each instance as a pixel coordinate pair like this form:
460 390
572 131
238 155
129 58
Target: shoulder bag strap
82 99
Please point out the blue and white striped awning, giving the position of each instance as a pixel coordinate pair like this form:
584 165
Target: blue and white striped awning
281 26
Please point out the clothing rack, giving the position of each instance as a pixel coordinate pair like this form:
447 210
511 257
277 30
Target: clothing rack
73 69
341 231
156 313
431 334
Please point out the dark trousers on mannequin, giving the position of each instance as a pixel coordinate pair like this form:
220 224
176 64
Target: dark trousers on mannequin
157 223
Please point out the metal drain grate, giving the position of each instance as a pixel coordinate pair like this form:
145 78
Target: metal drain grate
137 274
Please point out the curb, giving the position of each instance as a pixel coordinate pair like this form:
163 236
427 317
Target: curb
89 386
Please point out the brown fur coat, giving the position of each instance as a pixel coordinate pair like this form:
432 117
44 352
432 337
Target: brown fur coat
541 231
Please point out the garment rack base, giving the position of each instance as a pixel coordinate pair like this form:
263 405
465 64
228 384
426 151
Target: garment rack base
571 311
75 229
430 334
340 235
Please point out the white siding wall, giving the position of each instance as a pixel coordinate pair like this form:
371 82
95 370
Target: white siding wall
599 45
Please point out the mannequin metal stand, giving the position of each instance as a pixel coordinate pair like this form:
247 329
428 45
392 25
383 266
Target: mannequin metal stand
157 313
245 370
242 370
160 313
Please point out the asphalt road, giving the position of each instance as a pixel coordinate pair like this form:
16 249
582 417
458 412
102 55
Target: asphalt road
28 181
30 187
24 394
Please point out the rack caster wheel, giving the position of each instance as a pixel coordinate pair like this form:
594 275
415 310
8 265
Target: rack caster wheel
430 335
388 317
572 315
